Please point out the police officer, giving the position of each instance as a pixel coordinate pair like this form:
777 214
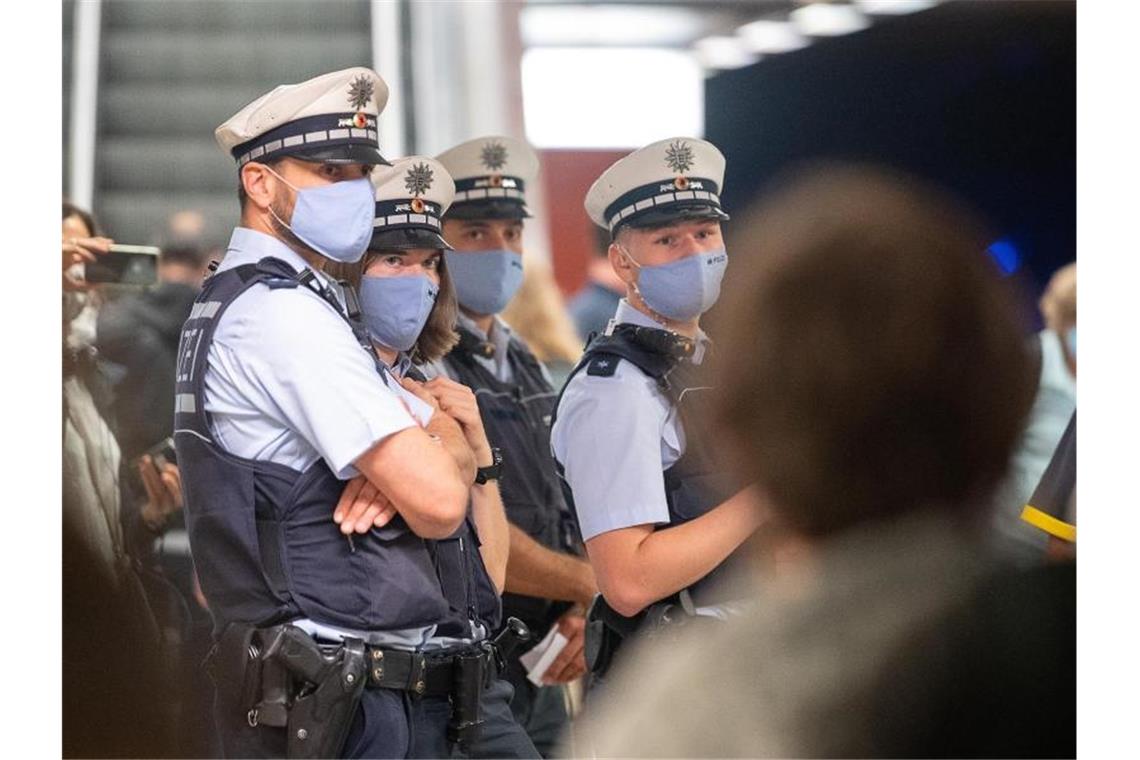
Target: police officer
658 517
547 582
277 404
407 306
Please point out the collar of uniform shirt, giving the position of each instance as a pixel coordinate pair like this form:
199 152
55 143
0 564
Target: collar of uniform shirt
499 335
400 367
250 246
626 314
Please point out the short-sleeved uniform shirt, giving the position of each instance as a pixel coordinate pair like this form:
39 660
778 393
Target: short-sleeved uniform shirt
614 437
287 382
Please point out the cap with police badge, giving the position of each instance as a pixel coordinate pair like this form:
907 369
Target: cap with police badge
668 181
330 119
491 174
411 197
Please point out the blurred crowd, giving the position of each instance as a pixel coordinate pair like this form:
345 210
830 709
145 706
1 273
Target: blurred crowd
911 591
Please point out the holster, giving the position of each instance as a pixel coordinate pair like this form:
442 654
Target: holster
607 629
466 722
234 665
326 690
473 672
281 677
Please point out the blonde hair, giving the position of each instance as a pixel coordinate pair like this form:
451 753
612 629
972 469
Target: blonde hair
538 315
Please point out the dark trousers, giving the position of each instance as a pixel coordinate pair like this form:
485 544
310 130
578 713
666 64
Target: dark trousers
502 735
388 723
540 710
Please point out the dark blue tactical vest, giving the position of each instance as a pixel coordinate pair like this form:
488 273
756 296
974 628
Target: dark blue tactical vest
461 572
264 543
696 482
517 418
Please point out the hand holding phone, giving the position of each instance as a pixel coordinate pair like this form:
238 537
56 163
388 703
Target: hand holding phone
125 265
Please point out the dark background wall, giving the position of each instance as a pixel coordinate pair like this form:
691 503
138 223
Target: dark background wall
979 97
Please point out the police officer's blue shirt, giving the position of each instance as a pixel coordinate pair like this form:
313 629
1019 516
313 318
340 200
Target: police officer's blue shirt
286 380
614 437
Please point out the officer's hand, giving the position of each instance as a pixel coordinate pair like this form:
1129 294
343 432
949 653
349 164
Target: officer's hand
79 251
571 661
418 390
362 507
163 491
459 401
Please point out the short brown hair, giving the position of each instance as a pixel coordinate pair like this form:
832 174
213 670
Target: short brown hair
439 335
871 360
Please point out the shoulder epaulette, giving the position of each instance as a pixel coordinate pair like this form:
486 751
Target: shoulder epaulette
603 365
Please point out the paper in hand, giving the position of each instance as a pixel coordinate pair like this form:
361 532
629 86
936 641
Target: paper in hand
538 660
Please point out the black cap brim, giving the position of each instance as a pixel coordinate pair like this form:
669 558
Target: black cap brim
407 238
488 209
681 212
342 154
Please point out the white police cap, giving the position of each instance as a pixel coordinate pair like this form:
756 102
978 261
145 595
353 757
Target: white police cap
491 174
411 197
331 119
671 180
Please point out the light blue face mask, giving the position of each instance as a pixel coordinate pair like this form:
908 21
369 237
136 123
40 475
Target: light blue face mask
395 309
485 281
334 220
1071 339
684 289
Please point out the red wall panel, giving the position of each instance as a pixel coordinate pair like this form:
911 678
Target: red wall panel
566 176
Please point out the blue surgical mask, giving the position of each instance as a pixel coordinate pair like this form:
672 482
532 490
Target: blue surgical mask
334 220
1071 339
485 281
395 309
684 289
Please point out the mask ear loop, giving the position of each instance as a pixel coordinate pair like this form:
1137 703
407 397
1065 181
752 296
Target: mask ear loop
658 318
292 187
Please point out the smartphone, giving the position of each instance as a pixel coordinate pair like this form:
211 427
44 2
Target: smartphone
125 265
163 453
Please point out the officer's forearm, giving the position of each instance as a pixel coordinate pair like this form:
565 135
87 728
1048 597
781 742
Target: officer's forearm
534 570
421 480
637 566
491 524
454 442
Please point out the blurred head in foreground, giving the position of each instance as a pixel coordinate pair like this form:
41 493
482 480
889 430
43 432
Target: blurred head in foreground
873 361
873 382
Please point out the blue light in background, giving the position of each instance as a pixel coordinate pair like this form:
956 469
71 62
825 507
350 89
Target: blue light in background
1005 255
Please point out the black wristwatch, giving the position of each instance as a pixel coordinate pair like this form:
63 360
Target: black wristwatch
491 471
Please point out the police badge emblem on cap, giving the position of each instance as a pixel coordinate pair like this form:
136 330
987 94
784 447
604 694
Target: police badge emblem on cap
360 91
679 158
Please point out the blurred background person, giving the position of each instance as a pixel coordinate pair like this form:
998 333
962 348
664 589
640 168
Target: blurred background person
137 334
1055 348
594 305
119 700
874 382
538 315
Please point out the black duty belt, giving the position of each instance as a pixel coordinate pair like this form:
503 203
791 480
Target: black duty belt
424 673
